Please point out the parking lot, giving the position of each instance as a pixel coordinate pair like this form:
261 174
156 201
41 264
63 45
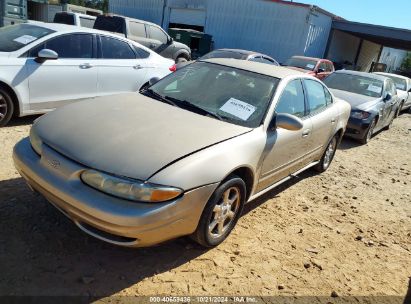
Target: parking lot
346 231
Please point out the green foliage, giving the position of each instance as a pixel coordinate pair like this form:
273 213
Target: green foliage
406 64
97 4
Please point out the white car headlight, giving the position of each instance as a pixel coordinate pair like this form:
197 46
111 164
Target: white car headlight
129 189
35 141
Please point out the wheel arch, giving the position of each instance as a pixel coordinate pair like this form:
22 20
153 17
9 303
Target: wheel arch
13 96
247 175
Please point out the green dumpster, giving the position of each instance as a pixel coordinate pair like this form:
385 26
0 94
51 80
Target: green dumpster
199 42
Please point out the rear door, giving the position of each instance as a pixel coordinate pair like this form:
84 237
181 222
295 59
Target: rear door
120 67
323 115
71 77
287 150
137 32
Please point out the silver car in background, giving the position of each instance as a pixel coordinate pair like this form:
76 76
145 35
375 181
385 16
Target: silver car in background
403 85
183 156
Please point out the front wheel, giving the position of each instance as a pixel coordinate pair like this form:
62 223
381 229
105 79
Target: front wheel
328 155
181 59
399 110
221 213
6 107
369 133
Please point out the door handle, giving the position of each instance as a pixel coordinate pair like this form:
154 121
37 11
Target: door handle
85 66
306 132
333 120
152 46
138 67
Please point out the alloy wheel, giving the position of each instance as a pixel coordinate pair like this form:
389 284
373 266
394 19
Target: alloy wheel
329 153
224 212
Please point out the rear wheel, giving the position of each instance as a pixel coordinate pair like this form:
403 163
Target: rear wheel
369 133
221 213
328 155
6 107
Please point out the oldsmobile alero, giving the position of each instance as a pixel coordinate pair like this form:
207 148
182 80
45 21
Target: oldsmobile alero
184 155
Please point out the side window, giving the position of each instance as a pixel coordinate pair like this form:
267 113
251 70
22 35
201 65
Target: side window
323 66
112 48
68 46
141 53
268 61
292 100
157 34
316 95
256 59
87 22
393 90
137 29
328 97
330 67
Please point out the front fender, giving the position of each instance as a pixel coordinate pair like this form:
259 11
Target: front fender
214 163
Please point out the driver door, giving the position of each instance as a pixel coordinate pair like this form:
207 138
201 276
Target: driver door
71 77
287 150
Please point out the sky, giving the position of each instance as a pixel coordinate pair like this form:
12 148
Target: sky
394 13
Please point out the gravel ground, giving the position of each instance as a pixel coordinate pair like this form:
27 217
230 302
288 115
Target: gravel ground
347 231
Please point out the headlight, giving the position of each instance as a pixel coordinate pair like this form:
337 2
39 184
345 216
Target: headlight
360 114
129 189
35 141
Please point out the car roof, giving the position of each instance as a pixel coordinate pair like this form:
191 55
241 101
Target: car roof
308 58
128 18
392 74
256 67
60 27
365 74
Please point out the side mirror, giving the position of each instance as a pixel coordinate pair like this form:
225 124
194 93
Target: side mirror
320 70
409 91
287 122
46 54
153 80
388 97
170 40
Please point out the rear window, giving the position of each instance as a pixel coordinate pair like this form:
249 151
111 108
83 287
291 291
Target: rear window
64 18
224 54
111 24
14 37
302 63
87 22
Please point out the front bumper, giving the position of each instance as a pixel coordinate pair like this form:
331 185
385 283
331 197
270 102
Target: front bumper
357 128
111 219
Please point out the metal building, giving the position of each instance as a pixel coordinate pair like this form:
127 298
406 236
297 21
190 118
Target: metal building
274 27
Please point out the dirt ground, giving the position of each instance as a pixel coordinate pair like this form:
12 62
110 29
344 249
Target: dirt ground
346 231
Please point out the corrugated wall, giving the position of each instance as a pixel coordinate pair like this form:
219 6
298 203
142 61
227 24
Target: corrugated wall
279 30
149 10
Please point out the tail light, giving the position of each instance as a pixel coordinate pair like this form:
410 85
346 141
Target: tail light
173 68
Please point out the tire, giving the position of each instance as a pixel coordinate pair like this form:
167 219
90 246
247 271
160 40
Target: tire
6 107
399 109
219 217
328 155
369 133
181 59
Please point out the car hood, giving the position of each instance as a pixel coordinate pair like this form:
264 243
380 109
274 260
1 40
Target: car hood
357 101
129 134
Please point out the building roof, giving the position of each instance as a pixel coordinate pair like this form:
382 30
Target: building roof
256 67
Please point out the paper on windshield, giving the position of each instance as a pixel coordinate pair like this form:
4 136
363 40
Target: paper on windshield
374 88
238 108
310 66
25 39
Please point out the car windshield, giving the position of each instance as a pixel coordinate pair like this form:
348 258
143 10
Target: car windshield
301 63
224 54
355 83
400 83
226 93
14 37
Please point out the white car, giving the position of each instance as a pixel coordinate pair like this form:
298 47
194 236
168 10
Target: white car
47 65
403 85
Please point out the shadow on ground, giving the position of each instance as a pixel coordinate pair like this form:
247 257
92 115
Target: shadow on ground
44 253
22 121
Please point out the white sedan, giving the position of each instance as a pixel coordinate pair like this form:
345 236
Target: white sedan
45 65
403 86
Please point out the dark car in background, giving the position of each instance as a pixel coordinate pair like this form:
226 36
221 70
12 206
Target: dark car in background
316 67
373 100
146 33
234 54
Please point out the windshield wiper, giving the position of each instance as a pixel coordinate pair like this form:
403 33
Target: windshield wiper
188 105
157 96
